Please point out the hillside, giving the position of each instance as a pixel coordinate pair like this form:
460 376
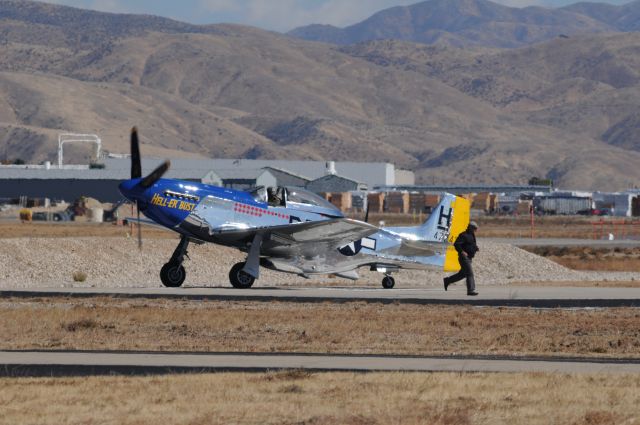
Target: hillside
233 91
624 18
587 86
478 23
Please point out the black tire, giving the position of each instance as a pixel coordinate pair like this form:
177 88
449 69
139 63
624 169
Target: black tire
240 279
388 282
173 275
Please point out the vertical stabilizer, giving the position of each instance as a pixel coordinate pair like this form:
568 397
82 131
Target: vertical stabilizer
446 222
459 223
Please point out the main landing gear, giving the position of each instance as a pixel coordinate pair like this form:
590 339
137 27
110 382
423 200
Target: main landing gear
243 275
239 278
173 273
388 282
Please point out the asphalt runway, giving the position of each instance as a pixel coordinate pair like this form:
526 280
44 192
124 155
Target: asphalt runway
63 363
493 296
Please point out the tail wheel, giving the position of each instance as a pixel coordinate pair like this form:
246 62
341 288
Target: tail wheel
239 278
388 282
173 275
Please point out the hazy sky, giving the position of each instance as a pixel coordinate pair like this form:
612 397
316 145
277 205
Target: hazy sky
278 15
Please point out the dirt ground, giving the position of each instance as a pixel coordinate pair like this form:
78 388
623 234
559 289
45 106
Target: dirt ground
14 229
502 227
108 256
359 328
575 227
575 258
298 397
592 259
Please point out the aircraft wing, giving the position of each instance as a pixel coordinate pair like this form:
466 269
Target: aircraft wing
335 233
302 238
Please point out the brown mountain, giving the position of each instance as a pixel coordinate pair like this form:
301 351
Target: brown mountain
477 23
231 91
585 85
624 18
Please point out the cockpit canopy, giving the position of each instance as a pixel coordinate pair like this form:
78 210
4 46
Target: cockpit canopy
303 196
295 198
259 194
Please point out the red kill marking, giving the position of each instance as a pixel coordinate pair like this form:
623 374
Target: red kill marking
257 212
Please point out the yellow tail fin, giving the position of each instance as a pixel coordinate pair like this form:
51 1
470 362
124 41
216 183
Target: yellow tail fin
459 223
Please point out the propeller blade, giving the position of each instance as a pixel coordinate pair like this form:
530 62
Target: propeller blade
139 228
155 175
366 214
136 165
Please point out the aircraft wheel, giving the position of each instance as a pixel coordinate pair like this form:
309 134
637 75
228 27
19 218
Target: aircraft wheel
172 275
388 282
240 279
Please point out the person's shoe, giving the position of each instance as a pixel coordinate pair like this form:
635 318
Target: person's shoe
446 284
472 293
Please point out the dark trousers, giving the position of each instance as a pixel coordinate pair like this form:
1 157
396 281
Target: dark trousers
466 271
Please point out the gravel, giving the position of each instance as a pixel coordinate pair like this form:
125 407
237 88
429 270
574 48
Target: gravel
117 262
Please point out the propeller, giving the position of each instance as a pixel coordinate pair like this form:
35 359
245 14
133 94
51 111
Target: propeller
136 172
136 163
366 214
155 175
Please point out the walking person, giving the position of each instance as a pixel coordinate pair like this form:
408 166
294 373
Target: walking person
467 247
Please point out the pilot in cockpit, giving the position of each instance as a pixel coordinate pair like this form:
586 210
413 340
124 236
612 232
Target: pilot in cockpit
274 196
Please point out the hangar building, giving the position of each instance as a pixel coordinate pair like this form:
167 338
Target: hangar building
71 182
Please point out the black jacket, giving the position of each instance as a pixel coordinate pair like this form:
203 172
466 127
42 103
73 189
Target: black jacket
466 241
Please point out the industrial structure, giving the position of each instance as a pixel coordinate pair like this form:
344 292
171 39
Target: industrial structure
70 182
350 186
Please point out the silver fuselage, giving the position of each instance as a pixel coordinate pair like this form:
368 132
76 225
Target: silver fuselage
231 222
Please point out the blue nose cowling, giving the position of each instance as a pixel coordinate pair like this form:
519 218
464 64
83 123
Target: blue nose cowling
162 213
129 190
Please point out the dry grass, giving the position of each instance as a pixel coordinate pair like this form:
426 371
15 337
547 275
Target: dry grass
112 324
604 264
325 399
592 259
557 227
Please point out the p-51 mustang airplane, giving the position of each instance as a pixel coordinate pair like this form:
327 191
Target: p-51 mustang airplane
288 229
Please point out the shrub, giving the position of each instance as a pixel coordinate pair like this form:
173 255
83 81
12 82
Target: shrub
79 325
79 276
